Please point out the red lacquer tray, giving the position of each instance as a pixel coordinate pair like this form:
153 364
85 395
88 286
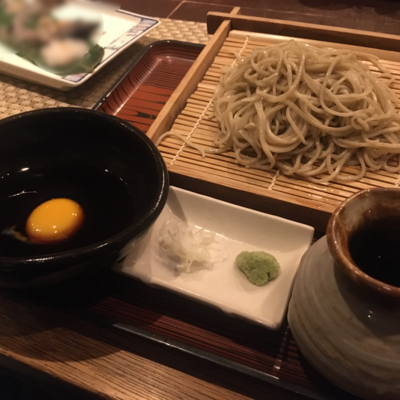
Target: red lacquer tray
167 318
141 92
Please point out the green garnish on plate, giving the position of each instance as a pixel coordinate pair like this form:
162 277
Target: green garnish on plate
86 65
258 266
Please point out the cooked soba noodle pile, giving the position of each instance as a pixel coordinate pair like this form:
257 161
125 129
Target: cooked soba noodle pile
309 111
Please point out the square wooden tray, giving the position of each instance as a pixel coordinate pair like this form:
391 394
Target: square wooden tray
189 113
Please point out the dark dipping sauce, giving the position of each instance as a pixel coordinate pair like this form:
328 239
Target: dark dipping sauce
375 249
106 202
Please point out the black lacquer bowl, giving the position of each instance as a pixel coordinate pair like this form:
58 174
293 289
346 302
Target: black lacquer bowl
108 166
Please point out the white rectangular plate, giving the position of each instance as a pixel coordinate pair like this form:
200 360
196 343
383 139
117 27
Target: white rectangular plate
120 30
224 286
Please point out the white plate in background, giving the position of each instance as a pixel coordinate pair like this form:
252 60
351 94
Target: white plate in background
224 286
120 30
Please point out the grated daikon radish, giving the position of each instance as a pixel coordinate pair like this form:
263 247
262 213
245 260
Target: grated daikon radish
189 247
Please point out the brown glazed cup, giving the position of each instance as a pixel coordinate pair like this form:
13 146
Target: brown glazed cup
346 323
359 211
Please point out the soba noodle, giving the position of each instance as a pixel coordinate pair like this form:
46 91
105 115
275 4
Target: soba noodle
309 112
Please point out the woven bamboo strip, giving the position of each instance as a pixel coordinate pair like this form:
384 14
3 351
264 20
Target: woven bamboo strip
215 163
372 179
380 178
227 161
222 178
284 186
205 139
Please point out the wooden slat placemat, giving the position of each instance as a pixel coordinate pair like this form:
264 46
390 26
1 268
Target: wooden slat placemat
196 122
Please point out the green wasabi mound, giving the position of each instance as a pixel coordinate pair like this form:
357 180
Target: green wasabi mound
258 266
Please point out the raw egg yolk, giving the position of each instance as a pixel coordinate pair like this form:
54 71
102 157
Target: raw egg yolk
54 221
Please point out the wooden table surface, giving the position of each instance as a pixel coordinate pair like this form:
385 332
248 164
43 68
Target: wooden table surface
45 340
48 338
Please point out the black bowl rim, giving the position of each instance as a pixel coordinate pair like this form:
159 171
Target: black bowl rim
140 226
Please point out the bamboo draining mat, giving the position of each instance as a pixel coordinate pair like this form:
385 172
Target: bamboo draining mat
197 123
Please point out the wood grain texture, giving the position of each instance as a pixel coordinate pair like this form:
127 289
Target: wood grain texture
62 349
42 334
207 329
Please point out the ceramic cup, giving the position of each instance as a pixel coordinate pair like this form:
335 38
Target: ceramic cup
347 322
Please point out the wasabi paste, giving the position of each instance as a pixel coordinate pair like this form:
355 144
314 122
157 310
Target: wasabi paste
258 266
